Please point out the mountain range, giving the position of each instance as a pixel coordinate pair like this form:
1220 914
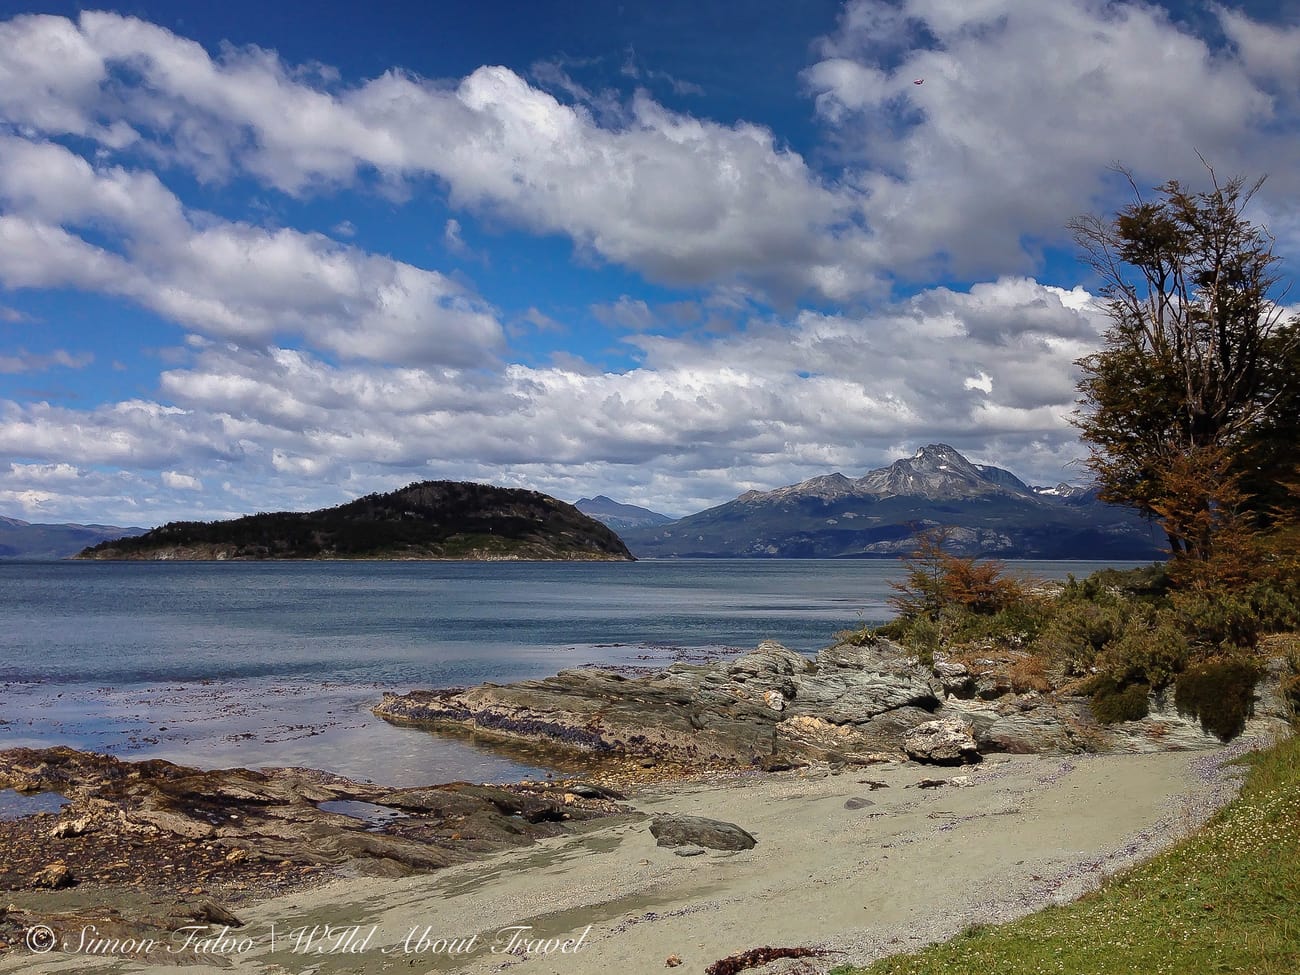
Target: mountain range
24 540
618 516
991 512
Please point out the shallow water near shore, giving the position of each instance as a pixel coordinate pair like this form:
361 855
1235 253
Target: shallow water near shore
254 664
14 805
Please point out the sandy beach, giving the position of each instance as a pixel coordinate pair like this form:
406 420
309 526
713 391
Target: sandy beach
861 862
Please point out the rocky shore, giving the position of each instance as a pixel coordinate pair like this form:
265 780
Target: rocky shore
774 708
747 786
169 845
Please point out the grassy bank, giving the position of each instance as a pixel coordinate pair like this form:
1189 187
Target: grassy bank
1227 899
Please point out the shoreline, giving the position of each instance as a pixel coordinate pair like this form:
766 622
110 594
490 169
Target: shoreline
902 867
256 721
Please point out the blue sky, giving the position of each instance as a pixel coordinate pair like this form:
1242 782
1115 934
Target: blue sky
252 259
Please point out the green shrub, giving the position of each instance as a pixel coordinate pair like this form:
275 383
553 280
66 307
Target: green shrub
1277 606
1151 649
895 629
925 637
1221 693
1077 632
1149 582
1219 620
1014 625
1113 702
1291 688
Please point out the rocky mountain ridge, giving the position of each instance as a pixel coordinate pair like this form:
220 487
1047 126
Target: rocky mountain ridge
990 511
619 516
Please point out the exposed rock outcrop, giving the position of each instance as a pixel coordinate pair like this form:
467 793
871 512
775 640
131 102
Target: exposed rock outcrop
947 741
218 826
775 708
855 700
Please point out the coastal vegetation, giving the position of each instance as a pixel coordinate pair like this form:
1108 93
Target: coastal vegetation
427 520
1116 637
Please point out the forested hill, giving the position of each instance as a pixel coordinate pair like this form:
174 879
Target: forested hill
428 520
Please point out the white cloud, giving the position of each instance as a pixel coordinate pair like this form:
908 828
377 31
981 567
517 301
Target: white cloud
680 199
25 361
1024 107
180 482
451 236
224 279
1268 51
317 370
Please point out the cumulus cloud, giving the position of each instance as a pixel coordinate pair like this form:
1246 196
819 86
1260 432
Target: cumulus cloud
181 482
315 369
1024 107
680 199
222 278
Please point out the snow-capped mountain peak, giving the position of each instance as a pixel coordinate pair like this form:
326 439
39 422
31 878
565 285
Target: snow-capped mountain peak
934 471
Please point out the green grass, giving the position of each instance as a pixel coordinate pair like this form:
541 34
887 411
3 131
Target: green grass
1227 899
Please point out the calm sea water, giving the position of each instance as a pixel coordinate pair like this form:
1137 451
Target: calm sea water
278 663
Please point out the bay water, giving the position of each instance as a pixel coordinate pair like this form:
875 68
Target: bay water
256 664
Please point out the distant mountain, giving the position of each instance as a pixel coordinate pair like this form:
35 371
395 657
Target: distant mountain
429 520
1069 493
991 511
24 540
620 516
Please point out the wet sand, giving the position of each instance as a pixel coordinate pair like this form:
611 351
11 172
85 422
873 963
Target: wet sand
907 866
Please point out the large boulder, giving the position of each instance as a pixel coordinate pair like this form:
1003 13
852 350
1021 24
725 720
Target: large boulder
712 834
946 741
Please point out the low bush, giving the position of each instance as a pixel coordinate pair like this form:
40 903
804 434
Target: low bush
1113 702
1029 673
1126 632
1150 649
1221 693
1078 632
